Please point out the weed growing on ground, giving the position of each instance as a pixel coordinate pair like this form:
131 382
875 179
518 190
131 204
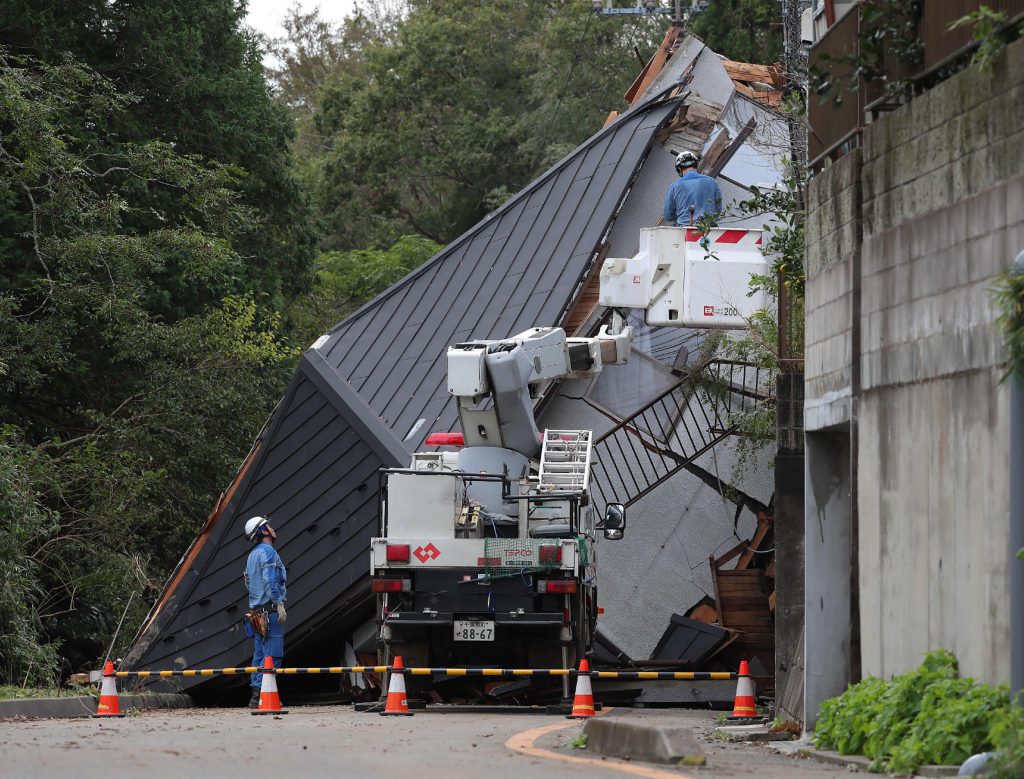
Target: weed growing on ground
580 742
927 716
14 692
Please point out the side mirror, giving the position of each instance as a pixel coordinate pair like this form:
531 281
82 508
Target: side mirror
614 524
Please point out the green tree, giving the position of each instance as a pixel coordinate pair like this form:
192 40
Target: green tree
742 30
461 105
343 281
197 74
133 377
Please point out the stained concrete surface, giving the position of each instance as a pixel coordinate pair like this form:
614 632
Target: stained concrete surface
336 741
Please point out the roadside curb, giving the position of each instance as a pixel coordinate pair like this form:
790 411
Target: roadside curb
861 762
653 743
85 705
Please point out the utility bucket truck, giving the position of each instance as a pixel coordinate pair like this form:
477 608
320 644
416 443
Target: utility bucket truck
682 278
486 550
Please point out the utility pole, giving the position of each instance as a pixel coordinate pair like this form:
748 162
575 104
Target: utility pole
794 71
789 456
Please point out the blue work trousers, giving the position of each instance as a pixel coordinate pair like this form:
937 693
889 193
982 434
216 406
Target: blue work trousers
272 646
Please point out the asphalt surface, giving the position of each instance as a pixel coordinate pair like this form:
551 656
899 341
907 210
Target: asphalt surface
339 742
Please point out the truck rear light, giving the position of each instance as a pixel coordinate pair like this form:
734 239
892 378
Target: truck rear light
557 586
446 439
391 585
551 555
398 553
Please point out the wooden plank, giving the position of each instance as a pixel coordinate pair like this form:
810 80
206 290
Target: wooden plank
717 147
589 294
768 98
653 67
612 116
763 525
705 613
719 562
791 695
748 71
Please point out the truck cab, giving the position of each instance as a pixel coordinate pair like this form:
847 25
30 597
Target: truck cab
486 558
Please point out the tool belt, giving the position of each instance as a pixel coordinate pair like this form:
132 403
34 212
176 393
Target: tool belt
257 621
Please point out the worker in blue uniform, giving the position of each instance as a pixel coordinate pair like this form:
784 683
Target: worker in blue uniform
692 195
265 578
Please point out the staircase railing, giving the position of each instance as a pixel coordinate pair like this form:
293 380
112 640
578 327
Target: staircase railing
676 428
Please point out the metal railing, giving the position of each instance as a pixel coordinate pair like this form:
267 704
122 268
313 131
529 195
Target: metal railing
836 127
686 421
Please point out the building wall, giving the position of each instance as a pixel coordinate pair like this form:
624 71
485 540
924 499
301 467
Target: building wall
833 259
941 203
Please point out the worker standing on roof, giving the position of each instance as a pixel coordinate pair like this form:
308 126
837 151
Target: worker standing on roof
265 578
692 195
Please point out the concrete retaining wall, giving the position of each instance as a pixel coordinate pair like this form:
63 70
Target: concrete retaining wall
941 209
833 249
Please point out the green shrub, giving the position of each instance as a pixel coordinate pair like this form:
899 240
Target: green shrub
929 715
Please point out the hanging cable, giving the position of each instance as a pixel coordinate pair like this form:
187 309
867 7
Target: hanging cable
568 78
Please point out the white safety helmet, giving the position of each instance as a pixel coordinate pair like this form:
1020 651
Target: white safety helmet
254 526
687 159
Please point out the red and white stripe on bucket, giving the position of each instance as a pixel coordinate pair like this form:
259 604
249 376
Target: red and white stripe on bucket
723 237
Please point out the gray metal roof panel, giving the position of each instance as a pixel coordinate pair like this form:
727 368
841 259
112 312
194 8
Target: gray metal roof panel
315 473
316 476
517 269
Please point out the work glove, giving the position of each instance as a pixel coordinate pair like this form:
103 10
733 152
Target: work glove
282 615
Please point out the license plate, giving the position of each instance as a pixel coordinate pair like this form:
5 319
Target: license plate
473 630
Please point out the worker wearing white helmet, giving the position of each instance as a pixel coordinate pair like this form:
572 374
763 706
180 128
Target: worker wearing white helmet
692 195
265 578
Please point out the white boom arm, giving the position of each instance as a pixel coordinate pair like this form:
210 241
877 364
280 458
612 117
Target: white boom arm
492 379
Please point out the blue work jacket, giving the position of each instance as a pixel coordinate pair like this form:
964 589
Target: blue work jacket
693 189
265 576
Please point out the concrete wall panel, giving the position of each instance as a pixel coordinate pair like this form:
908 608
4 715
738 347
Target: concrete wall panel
938 194
933 524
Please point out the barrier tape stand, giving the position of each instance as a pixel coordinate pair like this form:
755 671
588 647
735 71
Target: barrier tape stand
504 673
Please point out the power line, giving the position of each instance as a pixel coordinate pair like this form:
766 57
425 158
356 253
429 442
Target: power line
568 78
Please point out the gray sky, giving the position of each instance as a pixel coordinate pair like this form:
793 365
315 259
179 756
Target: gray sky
265 15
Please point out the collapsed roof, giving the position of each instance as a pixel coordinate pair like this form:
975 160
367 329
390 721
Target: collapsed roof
367 393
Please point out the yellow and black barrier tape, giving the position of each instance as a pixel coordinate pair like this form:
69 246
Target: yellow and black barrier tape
505 673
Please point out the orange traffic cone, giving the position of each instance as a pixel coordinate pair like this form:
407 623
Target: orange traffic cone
744 708
398 701
583 702
270 701
108 705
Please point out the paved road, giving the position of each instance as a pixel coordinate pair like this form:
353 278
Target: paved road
338 742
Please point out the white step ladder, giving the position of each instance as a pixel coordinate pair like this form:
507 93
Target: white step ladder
565 460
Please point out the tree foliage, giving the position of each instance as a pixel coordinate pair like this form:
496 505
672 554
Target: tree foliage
343 281
742 30
424 124
135 367
196 77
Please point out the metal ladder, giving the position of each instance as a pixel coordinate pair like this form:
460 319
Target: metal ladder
565 459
